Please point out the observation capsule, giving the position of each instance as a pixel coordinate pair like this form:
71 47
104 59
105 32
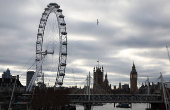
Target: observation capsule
41 26
39 34
62 24
63 64
48 6
53 4
39 75
44 14
64 53
46 9
61 16
42 19
37 59
60 83
38 52
64 33
64 43
61 74
59 10
58 6
38 42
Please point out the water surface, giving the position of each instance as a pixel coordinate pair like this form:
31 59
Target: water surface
135 106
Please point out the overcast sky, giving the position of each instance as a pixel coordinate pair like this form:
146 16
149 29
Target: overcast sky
128 30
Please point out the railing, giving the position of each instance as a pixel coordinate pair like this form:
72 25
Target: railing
110 98
116 98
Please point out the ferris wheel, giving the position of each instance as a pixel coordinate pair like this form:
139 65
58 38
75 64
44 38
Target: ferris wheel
51 47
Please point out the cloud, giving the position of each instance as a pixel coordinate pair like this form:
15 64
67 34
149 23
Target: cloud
128 31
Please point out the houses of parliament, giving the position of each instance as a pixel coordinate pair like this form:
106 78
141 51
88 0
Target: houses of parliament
100 82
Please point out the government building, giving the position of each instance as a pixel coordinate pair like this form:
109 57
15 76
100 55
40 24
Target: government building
100 85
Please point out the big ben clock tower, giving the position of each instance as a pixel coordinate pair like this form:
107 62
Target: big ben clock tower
133 80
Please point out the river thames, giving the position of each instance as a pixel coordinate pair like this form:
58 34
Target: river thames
135 106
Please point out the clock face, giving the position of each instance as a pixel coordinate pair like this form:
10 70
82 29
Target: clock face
135 76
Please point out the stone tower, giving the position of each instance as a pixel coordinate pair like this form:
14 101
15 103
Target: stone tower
98 76
133 80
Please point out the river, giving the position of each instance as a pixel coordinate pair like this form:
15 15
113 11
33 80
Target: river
135 106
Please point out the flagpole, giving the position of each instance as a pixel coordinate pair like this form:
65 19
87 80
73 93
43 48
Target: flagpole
98 63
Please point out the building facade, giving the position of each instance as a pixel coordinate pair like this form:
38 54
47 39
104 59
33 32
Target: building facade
8 81
29 77
6 74
100 85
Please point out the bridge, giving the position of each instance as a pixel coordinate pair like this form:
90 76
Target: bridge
116 98
86 100
105 98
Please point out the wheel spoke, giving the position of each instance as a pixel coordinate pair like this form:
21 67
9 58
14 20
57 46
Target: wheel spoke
51 46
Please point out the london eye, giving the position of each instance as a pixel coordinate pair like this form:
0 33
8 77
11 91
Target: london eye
51 47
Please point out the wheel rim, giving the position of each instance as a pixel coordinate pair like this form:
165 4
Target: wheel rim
45 46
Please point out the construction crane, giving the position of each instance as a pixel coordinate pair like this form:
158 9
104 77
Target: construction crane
168 53
74 77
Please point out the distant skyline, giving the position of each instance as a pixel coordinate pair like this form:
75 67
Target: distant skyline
128 31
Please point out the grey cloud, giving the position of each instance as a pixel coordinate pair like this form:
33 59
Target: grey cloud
149 15
143 25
